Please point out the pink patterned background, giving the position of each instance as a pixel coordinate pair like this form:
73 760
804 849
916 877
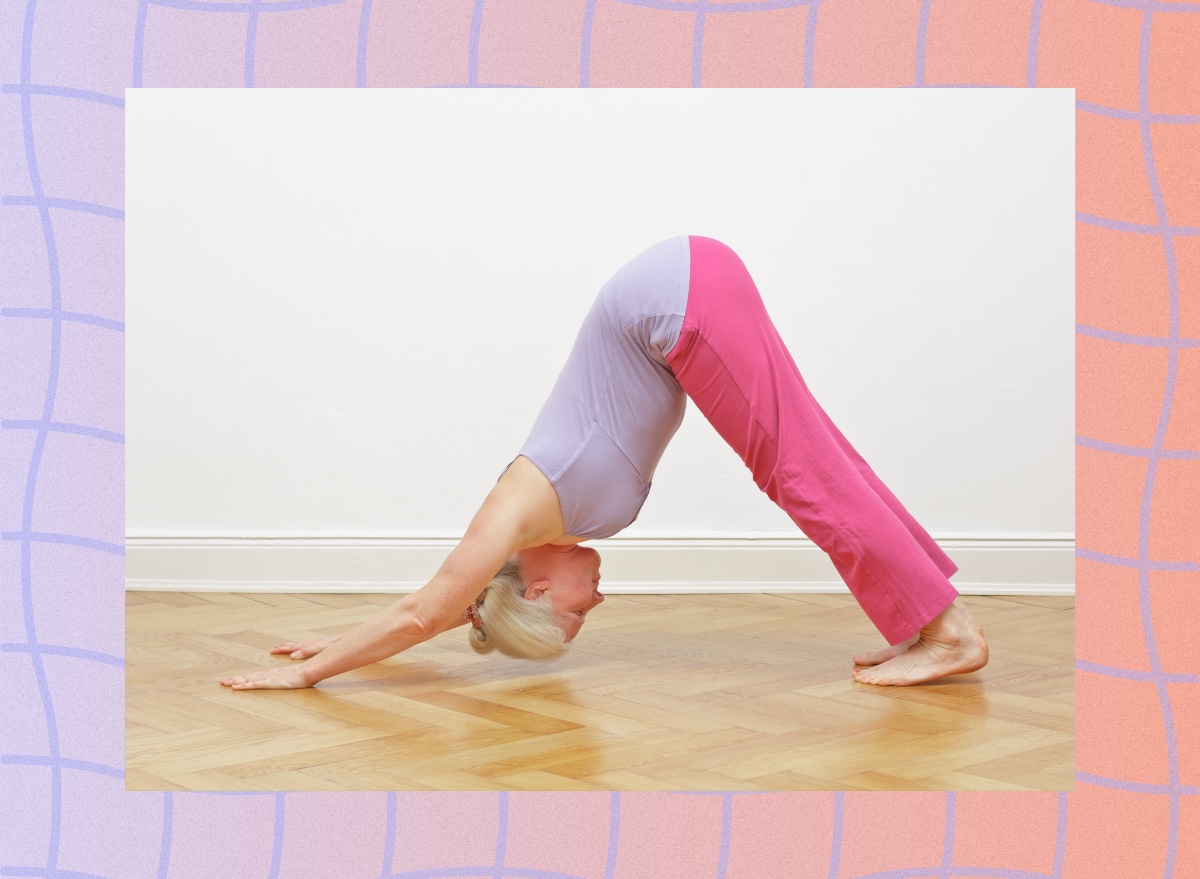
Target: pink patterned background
64 66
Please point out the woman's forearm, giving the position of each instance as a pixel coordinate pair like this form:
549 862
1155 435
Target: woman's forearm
390 631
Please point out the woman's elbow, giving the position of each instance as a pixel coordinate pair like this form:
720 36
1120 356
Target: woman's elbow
409 626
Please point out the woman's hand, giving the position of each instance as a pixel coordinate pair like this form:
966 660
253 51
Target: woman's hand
305 649
284 677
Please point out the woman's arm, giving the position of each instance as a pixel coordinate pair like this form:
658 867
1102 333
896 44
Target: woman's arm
502 526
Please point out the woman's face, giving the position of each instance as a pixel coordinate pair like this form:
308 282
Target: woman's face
570 575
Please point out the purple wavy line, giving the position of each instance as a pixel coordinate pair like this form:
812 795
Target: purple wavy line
228 793
63 427
1134 339
810 41
1138 787
948 836
1160 208
68 539
277 845
835 848
164 846
251 42
70 204
922 29
585 44
58 91
726 833
917 872
720 793
1150 6
61 650
139 42
43 207
1060 837
252 6
698 41
1130 674
364 27
1144 564
1140 228
473 44
49 874
1137 115
1136 451
389 836
498 870
695 5
63 763
1035 28
614 832
73 316
458 872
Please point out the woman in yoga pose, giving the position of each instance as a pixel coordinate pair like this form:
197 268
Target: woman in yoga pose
682 319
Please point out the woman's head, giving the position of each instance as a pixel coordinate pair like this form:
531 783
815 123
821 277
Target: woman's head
537 602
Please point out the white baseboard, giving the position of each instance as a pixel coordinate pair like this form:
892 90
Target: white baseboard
989 564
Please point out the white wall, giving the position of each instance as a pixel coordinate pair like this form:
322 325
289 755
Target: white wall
345 307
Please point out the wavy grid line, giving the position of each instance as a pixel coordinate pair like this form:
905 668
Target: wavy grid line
63 427
28 537
1141 228
277 841
1135 451
1137 787
59 91
389 836
614 834
164 847
54 756
459 872
41 202
48 874
73 316
1134 338
1130 674
1167 233
63 650
1139 563
1060 837
79 765
1144 117
835 849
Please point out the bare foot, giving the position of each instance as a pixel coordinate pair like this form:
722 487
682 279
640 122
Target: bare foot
950 644
885 654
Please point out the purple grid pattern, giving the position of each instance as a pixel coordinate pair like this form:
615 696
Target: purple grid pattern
27 537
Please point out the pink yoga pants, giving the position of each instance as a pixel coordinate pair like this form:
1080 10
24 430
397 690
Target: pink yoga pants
732 363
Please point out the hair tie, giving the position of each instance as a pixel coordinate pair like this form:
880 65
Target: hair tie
473 615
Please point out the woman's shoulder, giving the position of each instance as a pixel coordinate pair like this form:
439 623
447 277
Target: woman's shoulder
524 494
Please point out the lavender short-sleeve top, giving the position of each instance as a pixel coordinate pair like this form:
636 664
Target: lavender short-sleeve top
616 403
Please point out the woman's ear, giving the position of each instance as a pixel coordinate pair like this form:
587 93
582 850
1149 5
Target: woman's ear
535 589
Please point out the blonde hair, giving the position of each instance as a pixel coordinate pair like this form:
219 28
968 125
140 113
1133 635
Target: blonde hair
513 624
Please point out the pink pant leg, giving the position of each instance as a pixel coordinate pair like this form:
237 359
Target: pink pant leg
945 564
732 363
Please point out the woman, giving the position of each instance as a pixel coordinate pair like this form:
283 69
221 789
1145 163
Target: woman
682 319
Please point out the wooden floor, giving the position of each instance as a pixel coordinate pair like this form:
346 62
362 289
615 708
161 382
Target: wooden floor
680 692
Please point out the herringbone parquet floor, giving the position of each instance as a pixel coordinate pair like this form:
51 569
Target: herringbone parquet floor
673 692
